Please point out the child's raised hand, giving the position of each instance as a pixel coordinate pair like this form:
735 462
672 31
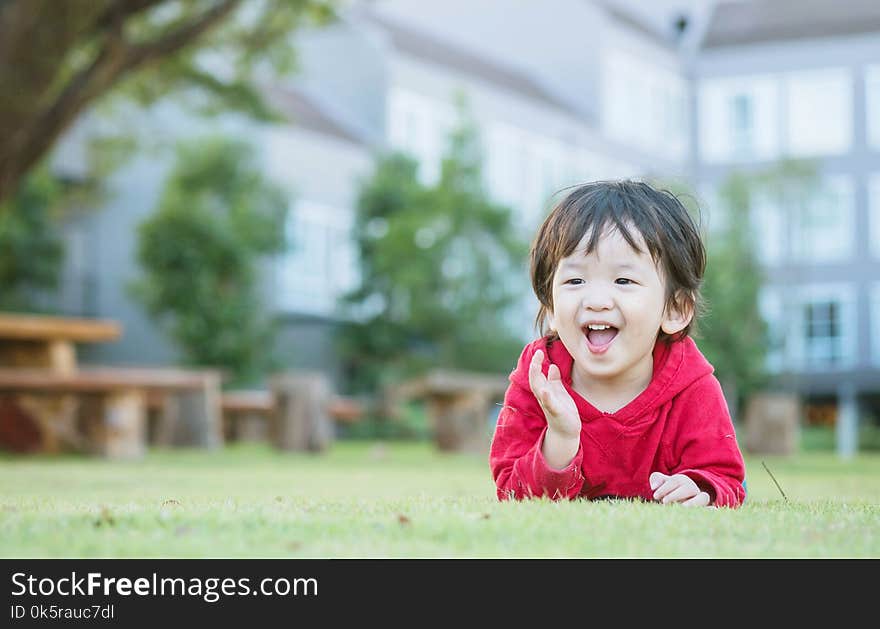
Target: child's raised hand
559 409
677 488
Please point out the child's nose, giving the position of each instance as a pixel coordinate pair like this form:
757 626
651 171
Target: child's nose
597 299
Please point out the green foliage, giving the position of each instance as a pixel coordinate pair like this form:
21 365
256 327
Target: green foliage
66 58
733 333
438 265
199 254
253 42
31 249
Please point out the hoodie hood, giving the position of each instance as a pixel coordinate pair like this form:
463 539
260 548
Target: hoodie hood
676 367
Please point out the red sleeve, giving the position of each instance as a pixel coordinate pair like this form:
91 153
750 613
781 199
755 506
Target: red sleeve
706 444
515 458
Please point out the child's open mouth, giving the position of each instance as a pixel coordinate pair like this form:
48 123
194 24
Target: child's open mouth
599 337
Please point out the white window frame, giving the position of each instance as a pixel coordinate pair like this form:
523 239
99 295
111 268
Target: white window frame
770 229
845 296
313 281
716 129
808 240
872 105
817 99
420 126
875 324
874 214
644 105
771 305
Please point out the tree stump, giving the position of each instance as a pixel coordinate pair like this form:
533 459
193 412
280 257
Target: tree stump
198 419
301 421
772 423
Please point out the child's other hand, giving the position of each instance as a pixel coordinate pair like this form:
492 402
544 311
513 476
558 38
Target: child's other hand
559 409
677 488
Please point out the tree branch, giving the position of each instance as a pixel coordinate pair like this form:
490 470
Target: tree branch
122 10
115 60
178 39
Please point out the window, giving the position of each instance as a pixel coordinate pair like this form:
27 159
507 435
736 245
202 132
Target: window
506 164
768 227
739 118
321 263
872 105
875 324
644 104
823 229
524 170
826 327
420 126
822 328
819 112
874 214
742 124
772 310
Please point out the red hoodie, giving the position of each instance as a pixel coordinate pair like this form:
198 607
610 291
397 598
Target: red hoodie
680 424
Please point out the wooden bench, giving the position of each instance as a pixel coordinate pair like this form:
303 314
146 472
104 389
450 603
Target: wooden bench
261 415
104 410
459 405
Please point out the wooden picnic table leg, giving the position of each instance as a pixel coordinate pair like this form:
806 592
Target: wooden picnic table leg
55 416
200 416
460 421
56 419
115 423
125 423
301 420
190 417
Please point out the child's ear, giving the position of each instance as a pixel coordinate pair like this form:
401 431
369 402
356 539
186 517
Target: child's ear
678 315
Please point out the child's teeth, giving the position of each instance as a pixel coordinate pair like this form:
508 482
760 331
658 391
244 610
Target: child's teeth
598 327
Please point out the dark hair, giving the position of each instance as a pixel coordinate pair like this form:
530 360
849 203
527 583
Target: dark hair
668 230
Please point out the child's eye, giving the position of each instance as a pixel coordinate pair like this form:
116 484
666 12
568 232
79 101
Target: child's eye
623 281
575 281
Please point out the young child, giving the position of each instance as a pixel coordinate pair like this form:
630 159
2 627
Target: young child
615 399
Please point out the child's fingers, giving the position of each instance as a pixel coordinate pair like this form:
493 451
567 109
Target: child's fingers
656 479
700 500
537 381
535 364
553 374
666 486
679 493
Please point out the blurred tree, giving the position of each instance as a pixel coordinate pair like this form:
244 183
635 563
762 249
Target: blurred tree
59 58
31 248
200 252
31 244
438 271
732 332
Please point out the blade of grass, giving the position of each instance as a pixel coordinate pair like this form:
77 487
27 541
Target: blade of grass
774 481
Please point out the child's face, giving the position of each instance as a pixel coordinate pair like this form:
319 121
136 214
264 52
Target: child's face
613 286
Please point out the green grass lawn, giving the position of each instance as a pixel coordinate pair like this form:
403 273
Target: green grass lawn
366 500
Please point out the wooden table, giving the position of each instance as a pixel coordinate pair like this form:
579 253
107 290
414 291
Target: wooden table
459 404
49 342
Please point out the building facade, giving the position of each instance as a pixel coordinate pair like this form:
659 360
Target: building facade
799 81
562 91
